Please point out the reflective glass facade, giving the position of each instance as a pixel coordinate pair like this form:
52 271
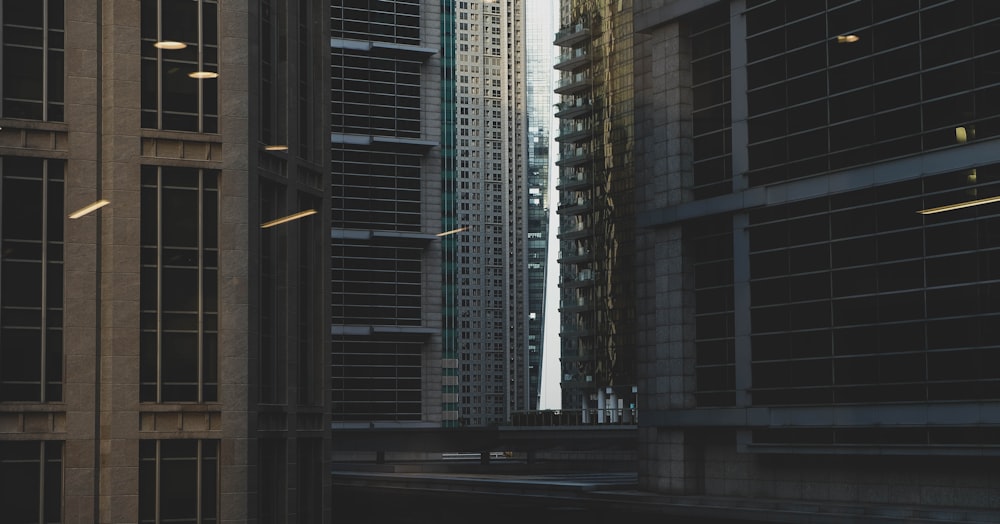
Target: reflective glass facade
596 209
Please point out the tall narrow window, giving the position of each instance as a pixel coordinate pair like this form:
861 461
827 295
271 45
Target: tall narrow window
178 481
179 285
272 327
31 292
310 311
272 484
180 59
274 72
31 481
32 60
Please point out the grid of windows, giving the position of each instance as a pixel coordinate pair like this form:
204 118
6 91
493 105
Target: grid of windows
856 298
711 243
31 481
31 279
178 481
376 378
171 97
179 285
375 190
32 59
373 95
919 76
711 112
395 21
376 285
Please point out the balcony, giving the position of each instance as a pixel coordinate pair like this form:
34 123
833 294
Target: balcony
576 83
576 304
574 231
573 59
574 207
573 179
571 35
577 108
569 157
579 256
572 133
582 278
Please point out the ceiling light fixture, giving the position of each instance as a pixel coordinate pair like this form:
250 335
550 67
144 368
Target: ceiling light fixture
960 205
204 74
276 147
169 44
288 218
88 209
847 39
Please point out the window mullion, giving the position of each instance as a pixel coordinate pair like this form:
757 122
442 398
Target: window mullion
44 276
45 68
198 470
156 484
201 287
41 482
201 66
159 68
159 286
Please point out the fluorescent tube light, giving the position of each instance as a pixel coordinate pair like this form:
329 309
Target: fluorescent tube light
452 232
288 218
88 209
959 205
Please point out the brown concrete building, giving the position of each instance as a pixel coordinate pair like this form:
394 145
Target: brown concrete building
162 357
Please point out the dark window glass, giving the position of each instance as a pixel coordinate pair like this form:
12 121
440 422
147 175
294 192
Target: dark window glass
178 285
171 97
907 312
31 481
31 269
170 474
32 60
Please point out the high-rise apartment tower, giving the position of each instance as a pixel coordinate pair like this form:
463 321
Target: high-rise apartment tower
488 267
596 207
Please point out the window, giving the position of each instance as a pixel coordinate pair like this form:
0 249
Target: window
271 482
31 294
179 287
31 481
273 342
171 97
178 481
32 58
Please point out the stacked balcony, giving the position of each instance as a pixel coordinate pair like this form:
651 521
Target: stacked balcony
576 205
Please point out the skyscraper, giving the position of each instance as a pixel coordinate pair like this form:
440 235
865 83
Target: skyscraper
386 259
596 209
162 354
817 251
539 53
489 263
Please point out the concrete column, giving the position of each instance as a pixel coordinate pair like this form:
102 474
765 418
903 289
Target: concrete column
601 406
615 407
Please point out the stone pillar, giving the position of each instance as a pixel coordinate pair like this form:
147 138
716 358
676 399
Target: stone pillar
669 458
